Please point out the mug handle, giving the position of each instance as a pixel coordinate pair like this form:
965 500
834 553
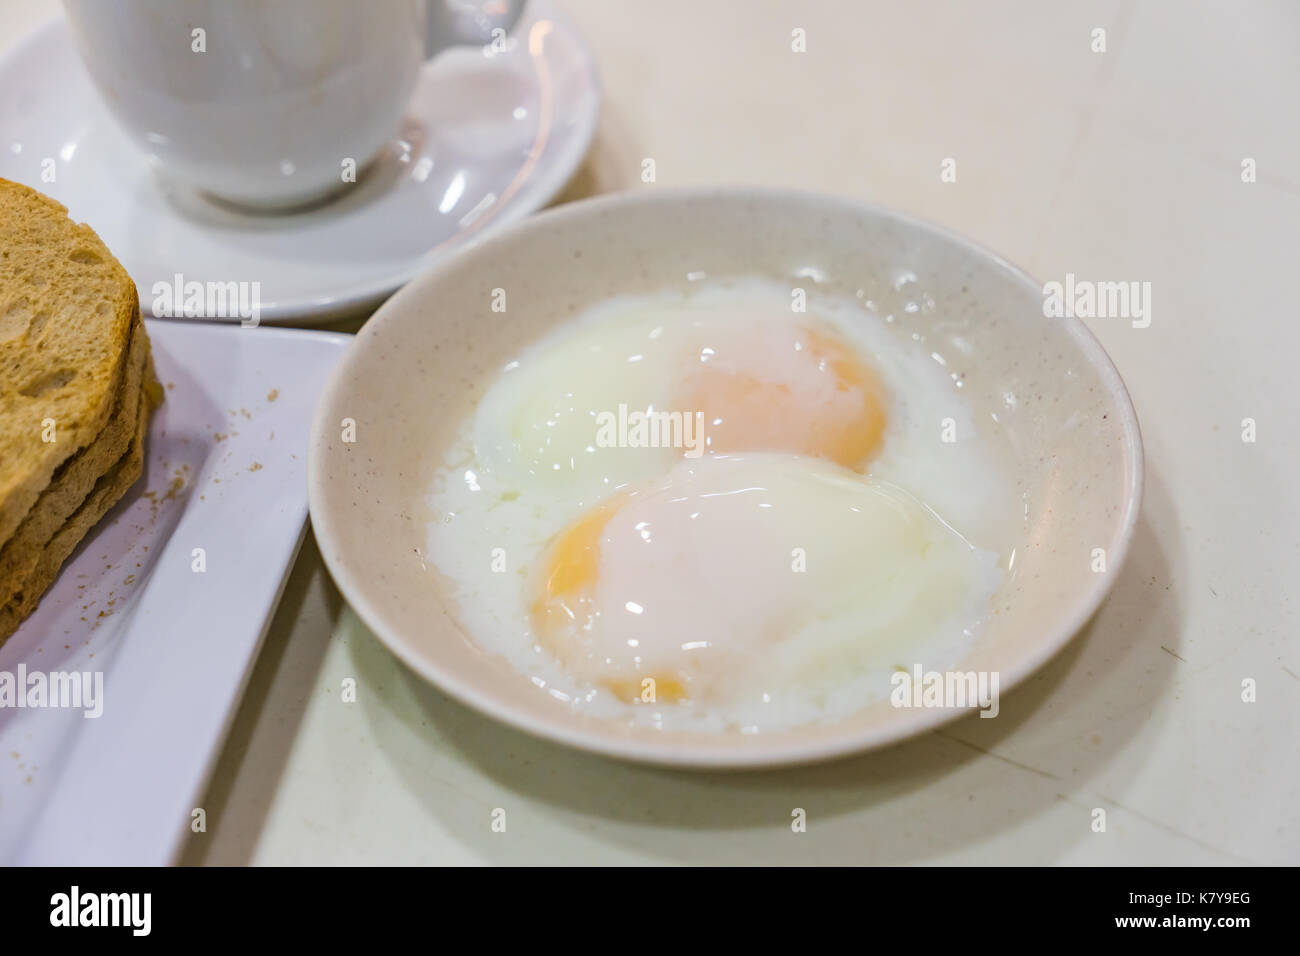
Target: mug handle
467 22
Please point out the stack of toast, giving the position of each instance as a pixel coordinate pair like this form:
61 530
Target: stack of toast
76 390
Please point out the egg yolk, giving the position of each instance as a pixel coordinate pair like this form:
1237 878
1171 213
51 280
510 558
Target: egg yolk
564 609
807 396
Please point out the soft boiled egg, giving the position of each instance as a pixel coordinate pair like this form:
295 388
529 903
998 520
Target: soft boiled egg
794 528
741 580
748 377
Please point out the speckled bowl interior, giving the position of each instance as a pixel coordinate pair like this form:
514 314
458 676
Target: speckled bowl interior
1066 431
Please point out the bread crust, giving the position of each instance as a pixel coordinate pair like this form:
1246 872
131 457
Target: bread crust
67 308
106 493
75 478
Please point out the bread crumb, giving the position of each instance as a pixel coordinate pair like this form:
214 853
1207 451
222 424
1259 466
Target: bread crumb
153 393
255 466
273 394
178 482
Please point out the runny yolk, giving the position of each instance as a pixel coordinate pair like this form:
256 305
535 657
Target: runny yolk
571 570
562 611
830 404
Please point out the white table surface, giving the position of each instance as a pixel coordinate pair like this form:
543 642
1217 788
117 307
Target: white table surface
1122 165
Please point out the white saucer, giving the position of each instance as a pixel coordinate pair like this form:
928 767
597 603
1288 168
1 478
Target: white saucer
487 139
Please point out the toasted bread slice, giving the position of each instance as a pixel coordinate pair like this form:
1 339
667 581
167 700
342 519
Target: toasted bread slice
106 493
67 308
75 478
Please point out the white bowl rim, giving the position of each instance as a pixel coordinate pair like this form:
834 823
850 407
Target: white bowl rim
644 749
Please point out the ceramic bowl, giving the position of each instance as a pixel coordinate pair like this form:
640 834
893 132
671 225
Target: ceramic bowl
1064 429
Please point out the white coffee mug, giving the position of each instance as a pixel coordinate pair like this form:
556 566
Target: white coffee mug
268 103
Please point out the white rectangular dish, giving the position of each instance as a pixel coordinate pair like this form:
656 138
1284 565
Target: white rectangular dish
161 611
